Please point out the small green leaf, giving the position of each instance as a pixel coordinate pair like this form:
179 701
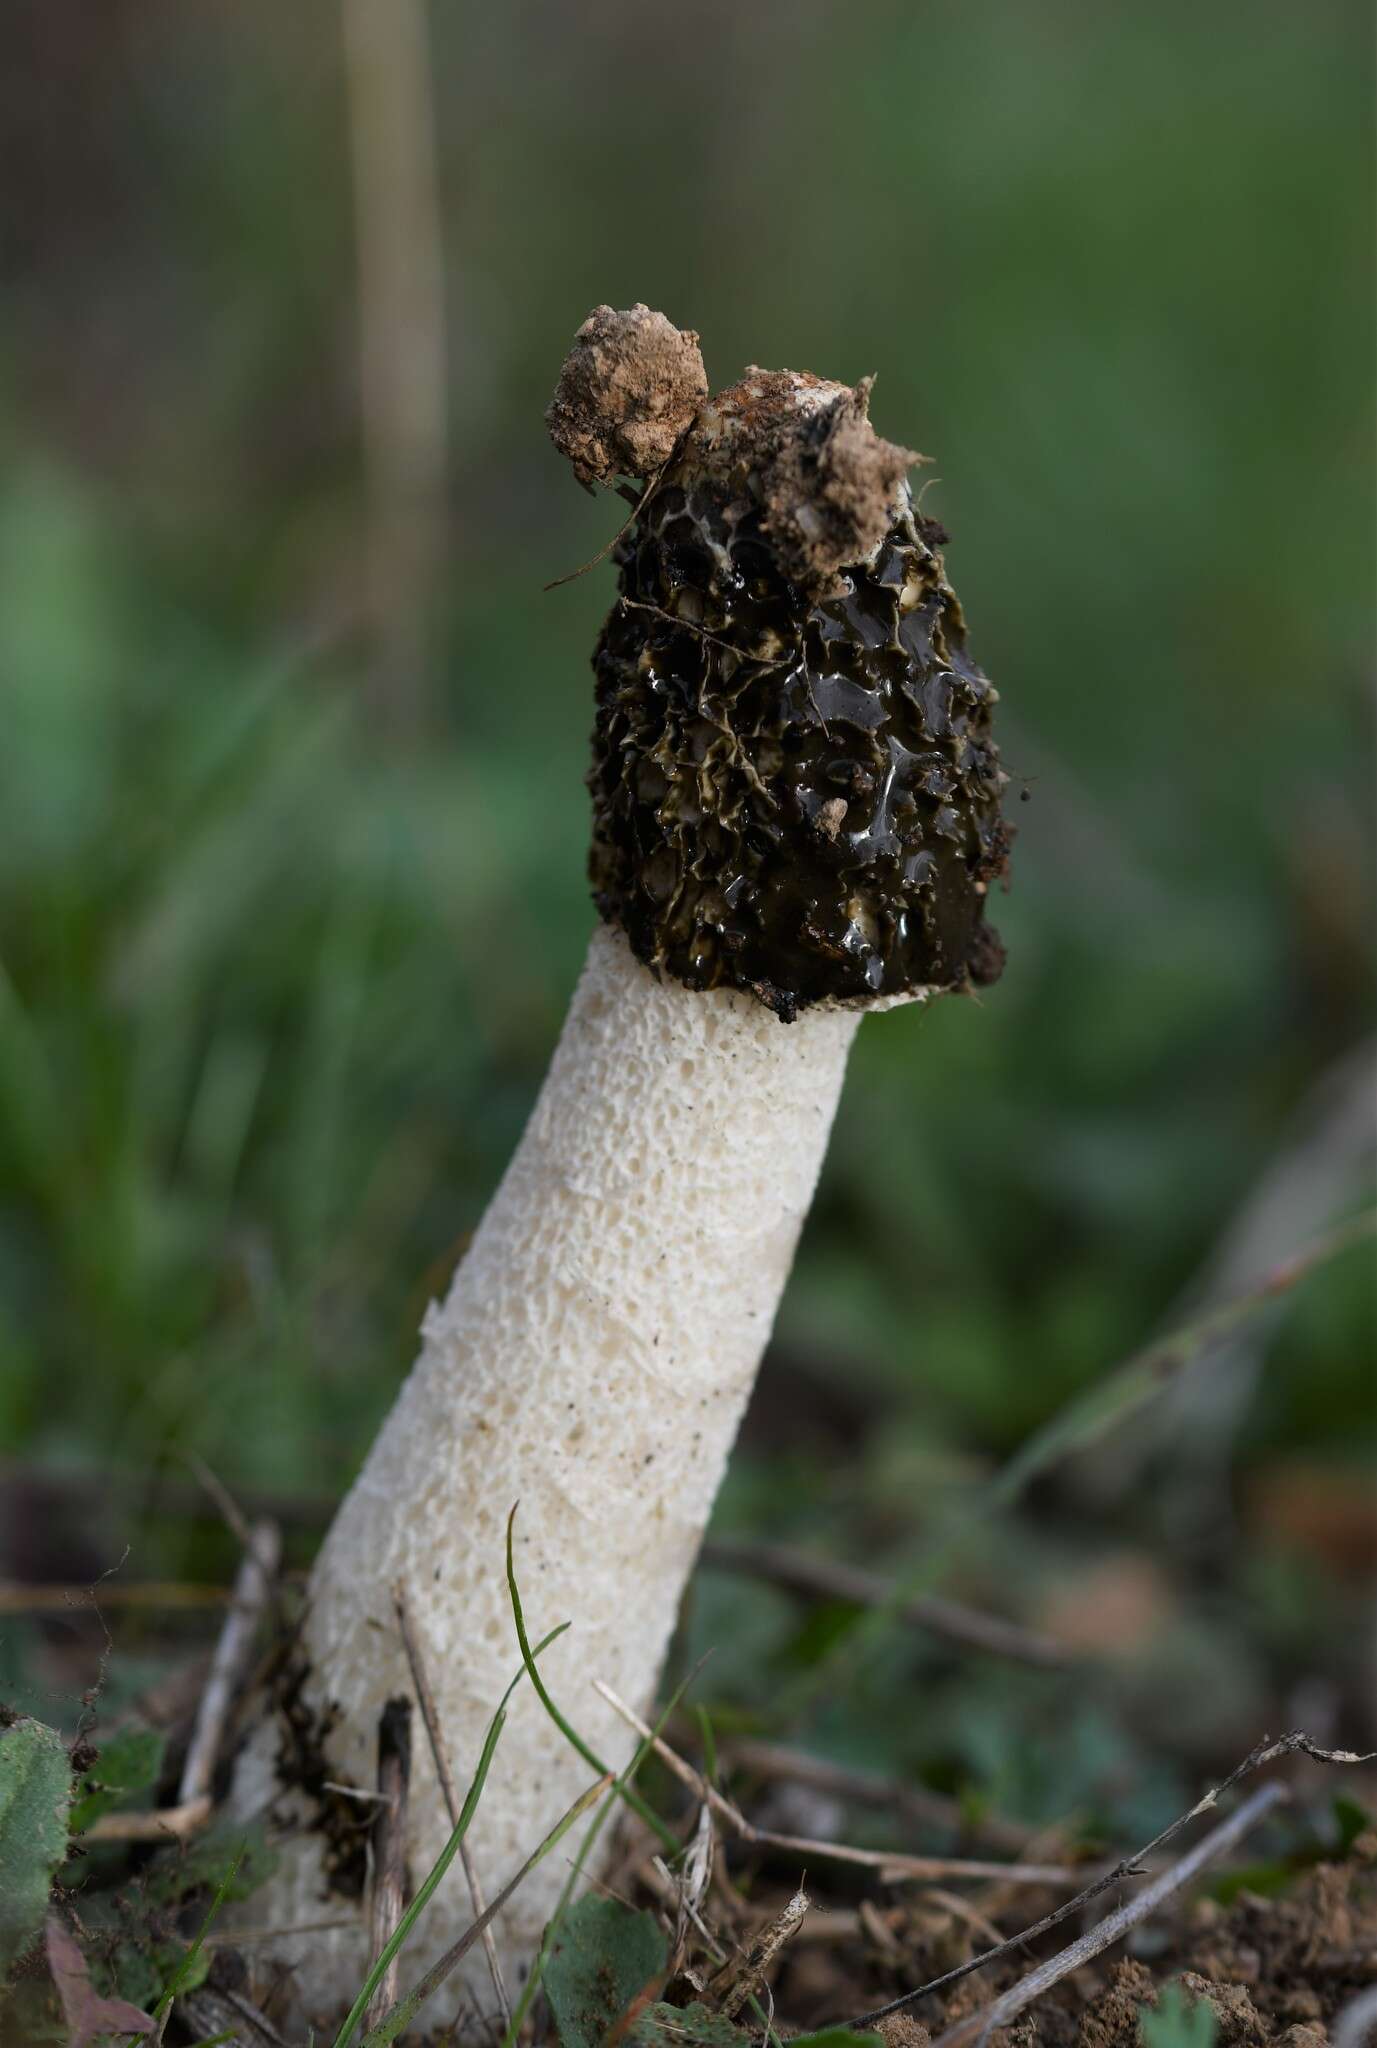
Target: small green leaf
129 1762
836 2037
602 1956
1177 2022
1352 1820
190 1969
35 1791
239 1848
689 2026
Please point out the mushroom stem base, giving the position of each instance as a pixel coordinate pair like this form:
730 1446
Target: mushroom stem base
592 1360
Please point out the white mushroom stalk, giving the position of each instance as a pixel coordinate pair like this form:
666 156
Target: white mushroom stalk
795 817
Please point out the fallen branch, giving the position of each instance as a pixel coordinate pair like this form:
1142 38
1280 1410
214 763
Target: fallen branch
887 1861
1264 1752
823 1578
439 1750
978 2026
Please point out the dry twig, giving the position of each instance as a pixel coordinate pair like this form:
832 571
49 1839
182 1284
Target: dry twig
823 1578
403 398
744 1973
401 2014
228 1667
228 2017
978 2026
388 1899
869 1788
170 1823
231 1514
1264 1752
887 1861
16 1598
1356 2025
439 1750
689 1886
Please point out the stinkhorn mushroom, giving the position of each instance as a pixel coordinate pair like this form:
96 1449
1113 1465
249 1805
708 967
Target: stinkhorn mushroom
796 817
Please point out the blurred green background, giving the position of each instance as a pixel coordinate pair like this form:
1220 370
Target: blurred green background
292 823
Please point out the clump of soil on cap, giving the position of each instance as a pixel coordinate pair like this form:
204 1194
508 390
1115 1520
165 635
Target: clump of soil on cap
829 490
630 386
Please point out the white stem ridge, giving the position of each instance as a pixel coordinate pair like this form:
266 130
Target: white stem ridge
592 1360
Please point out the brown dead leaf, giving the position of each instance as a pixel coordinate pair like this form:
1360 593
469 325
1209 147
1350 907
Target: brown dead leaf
87 2014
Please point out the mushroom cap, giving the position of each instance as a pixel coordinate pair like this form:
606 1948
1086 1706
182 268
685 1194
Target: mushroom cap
796 789
794 792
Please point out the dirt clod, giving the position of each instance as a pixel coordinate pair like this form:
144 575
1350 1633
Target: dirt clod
1239 2023
630 385
830 490
902 2031
1113 2018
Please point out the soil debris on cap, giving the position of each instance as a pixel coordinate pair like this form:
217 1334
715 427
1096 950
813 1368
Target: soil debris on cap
831 489
629 388
802 451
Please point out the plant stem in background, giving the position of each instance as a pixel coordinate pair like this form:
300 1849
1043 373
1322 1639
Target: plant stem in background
402 355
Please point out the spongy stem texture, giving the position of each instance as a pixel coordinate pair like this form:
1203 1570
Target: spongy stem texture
592 1360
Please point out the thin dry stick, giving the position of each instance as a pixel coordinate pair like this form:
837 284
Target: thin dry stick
401 308
246 1937
1265 1752
869 1788
228 2017
886 1860
388 1900
657 1877
228 1669
692 1883
638 506
231 1513
822 1578
1356 2025
439 1750
452 1957
895 1869
978 2026
170 1824
163 1593
742 1976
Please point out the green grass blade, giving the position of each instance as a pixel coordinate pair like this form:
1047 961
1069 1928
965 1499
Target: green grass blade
618 1790
403 2012
451 1849
179 1975
709 1741
571 1735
